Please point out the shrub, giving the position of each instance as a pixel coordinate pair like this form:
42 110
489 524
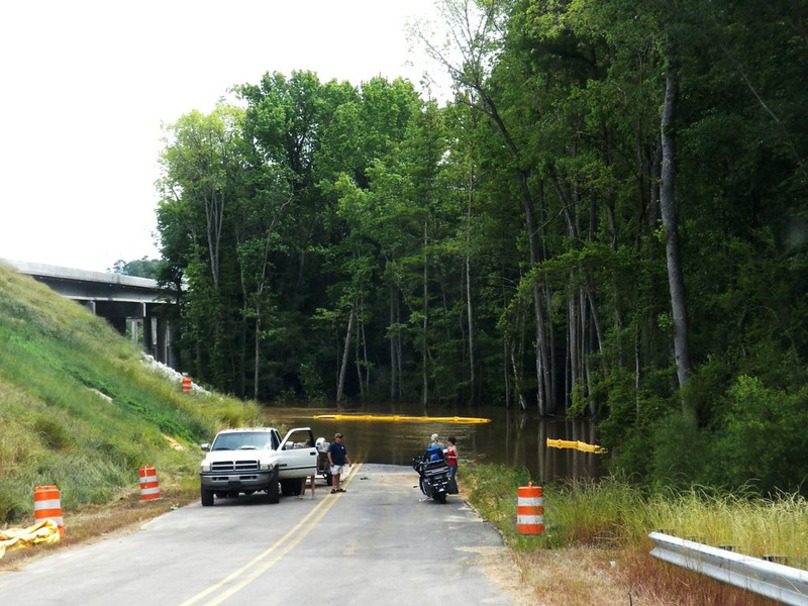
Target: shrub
52 433
763 439
679 453
15 502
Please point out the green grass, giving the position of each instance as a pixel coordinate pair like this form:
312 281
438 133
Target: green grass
614 513
79 409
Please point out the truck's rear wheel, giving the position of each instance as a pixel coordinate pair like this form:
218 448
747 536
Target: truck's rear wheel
206 496
292 488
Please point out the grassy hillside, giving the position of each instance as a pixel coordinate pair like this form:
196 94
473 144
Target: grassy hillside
79 409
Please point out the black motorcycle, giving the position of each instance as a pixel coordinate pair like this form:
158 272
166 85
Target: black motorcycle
433 476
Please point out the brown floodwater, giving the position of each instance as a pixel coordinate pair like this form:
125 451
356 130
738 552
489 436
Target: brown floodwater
510 438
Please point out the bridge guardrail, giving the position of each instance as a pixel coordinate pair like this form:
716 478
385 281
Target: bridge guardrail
776 581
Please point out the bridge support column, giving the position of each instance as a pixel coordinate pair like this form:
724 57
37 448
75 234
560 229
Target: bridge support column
158 336
167 344
134 330
150 336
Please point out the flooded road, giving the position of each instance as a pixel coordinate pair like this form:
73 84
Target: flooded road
510 438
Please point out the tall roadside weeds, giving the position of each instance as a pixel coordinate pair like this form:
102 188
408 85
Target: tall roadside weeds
613 518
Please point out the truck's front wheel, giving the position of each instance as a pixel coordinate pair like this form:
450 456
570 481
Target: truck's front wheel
273 489
206 497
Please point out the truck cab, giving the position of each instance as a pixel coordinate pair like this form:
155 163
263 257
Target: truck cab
254 459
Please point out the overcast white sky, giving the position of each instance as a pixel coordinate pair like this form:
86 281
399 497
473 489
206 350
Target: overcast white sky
87 84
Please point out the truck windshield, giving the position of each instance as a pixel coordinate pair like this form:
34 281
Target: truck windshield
242 440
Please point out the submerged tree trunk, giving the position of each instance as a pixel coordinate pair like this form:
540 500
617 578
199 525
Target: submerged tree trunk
516 373
357 355
345 350
257 352
393 365
424 373
469 311
506 378
670 221
366 362
572 338
399 351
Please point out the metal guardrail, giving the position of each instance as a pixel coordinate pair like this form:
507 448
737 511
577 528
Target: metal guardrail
784 583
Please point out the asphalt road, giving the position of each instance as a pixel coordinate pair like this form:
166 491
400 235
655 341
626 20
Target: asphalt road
378 543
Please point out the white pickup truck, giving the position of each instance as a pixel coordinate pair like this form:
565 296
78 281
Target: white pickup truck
253 459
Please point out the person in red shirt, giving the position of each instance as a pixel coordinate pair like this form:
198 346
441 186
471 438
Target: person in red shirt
451 457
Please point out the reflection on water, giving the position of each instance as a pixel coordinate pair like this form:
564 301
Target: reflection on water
511 438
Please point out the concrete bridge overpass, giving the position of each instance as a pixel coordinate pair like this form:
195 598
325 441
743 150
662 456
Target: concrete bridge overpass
138 304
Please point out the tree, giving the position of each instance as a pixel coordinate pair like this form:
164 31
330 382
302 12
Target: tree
201 165
477 40
141 268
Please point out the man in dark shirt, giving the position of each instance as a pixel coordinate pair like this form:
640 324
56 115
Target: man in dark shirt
338 459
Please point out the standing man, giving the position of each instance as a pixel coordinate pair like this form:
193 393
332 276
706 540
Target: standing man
338 459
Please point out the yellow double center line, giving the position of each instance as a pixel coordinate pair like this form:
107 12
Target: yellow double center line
266 560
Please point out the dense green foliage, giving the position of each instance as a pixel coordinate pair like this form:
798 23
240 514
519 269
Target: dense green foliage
609 218
80 410
141 268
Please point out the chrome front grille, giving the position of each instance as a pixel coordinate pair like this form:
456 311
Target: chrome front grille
221 466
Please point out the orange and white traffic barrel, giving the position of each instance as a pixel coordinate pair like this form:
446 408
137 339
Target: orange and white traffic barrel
530 510
187 383
149 486
48 506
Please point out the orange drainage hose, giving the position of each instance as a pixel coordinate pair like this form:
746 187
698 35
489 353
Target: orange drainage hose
400 419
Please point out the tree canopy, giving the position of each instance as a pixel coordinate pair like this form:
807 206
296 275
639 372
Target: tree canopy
609 218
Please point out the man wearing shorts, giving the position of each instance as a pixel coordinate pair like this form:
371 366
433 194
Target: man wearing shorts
338 459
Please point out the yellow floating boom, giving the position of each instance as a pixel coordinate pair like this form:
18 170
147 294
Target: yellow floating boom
576 445
400 418
43 532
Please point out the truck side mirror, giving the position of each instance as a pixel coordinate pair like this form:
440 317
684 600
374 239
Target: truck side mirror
205 447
